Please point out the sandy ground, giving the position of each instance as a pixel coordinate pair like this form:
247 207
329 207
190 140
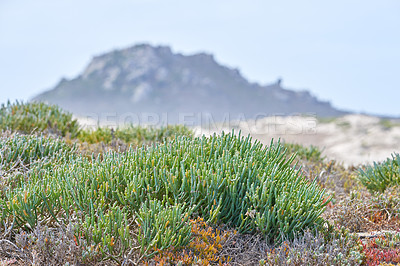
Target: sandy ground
351 140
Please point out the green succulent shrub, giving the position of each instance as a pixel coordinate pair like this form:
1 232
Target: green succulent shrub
20 153
23 161
134 135
381 175
37 117
163 226
310 153
103 227
225 179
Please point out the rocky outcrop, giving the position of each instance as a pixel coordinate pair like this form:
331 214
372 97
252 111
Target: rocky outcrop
147 79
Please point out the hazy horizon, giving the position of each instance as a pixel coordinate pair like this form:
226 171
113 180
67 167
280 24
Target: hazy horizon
343 52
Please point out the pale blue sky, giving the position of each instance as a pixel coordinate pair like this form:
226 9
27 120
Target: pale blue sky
345 51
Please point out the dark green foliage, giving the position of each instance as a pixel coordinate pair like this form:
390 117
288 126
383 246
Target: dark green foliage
381 175
34 117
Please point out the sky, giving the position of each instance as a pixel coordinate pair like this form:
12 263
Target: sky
344 51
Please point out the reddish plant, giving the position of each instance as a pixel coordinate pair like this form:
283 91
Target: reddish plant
374 255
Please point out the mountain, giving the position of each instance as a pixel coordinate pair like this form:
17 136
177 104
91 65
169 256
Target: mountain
154 80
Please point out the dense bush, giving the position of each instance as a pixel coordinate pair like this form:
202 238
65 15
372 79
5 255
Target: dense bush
21 154
37 117
23 157
179 199
226 179
205 247
378 177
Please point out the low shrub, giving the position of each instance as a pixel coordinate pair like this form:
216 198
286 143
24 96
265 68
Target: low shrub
48 246
225 179
381 175
103 227
21 152
315 250
21 155
361 212
205 248
329 246
134 135
37 117
310 153
162 227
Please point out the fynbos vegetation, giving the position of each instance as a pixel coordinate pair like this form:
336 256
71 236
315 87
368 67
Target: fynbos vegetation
170 198
381 175
37 117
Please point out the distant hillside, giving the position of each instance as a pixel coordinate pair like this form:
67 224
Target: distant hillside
147 79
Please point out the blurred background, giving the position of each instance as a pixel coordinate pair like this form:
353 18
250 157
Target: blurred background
345 52
209 62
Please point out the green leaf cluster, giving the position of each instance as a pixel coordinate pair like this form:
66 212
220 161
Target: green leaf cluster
225 179
34 117
163 226
310 153
134 135
379 176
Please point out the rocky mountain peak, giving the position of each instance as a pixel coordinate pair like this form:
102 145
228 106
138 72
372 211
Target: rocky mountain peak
146 78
